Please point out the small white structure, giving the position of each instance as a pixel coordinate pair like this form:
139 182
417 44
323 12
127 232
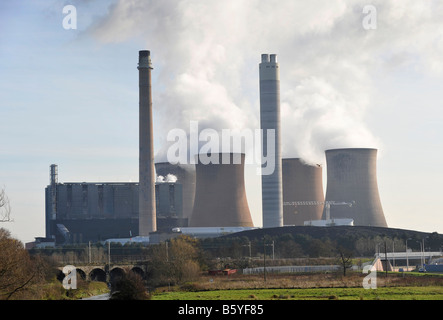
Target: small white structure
123 241
210 231
330 222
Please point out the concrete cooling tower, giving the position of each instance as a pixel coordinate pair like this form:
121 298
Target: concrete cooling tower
220 194
301 182
352 176
185 174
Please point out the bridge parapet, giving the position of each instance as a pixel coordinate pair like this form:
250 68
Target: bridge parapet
104 273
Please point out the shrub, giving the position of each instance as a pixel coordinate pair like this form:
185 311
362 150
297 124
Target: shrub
129 287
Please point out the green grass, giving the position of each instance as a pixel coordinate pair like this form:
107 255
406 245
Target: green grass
382 293
55 291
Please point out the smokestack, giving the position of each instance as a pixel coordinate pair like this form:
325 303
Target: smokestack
53 180
147 209
301 182
352 176
220 194
185 174
272 198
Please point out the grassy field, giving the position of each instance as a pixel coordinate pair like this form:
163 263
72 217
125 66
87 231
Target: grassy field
394 293
307 287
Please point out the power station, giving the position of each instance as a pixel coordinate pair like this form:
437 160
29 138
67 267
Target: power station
210 198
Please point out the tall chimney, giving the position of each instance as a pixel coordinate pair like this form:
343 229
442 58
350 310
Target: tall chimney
272 195
352 176
147 209
53 180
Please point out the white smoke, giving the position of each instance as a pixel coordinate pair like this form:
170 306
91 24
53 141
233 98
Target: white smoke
170 178
206 55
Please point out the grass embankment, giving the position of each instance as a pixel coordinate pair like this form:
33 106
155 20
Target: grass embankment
307 287
54 291
395 293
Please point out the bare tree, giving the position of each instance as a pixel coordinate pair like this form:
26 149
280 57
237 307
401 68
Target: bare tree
16 269
5 207
344 258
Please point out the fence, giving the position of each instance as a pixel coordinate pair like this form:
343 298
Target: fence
292 269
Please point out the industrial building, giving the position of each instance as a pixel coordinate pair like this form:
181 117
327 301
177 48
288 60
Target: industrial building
185 174
78 212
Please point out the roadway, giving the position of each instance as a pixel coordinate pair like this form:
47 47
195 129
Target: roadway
104 296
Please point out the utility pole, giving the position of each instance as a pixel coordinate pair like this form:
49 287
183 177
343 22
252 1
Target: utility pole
407 256
273 251
264 259
248 245
393 254
386 259
89 252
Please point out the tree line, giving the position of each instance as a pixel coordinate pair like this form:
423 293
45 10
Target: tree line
19 270
182 259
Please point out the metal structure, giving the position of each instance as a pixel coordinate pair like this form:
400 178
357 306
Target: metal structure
147 209
185 174
220 194
272 195
328 221
326 204
302 181
351 174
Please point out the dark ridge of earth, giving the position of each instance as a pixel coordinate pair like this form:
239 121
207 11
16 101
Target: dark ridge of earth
332 232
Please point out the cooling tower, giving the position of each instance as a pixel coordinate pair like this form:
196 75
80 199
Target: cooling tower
185 174
301 182
147 210
272 199
220 194
352 176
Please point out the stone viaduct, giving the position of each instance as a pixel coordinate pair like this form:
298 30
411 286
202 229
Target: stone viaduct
104 272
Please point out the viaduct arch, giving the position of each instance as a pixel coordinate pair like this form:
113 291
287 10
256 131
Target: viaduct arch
103 273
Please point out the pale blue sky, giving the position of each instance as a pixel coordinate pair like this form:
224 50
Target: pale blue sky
70 97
